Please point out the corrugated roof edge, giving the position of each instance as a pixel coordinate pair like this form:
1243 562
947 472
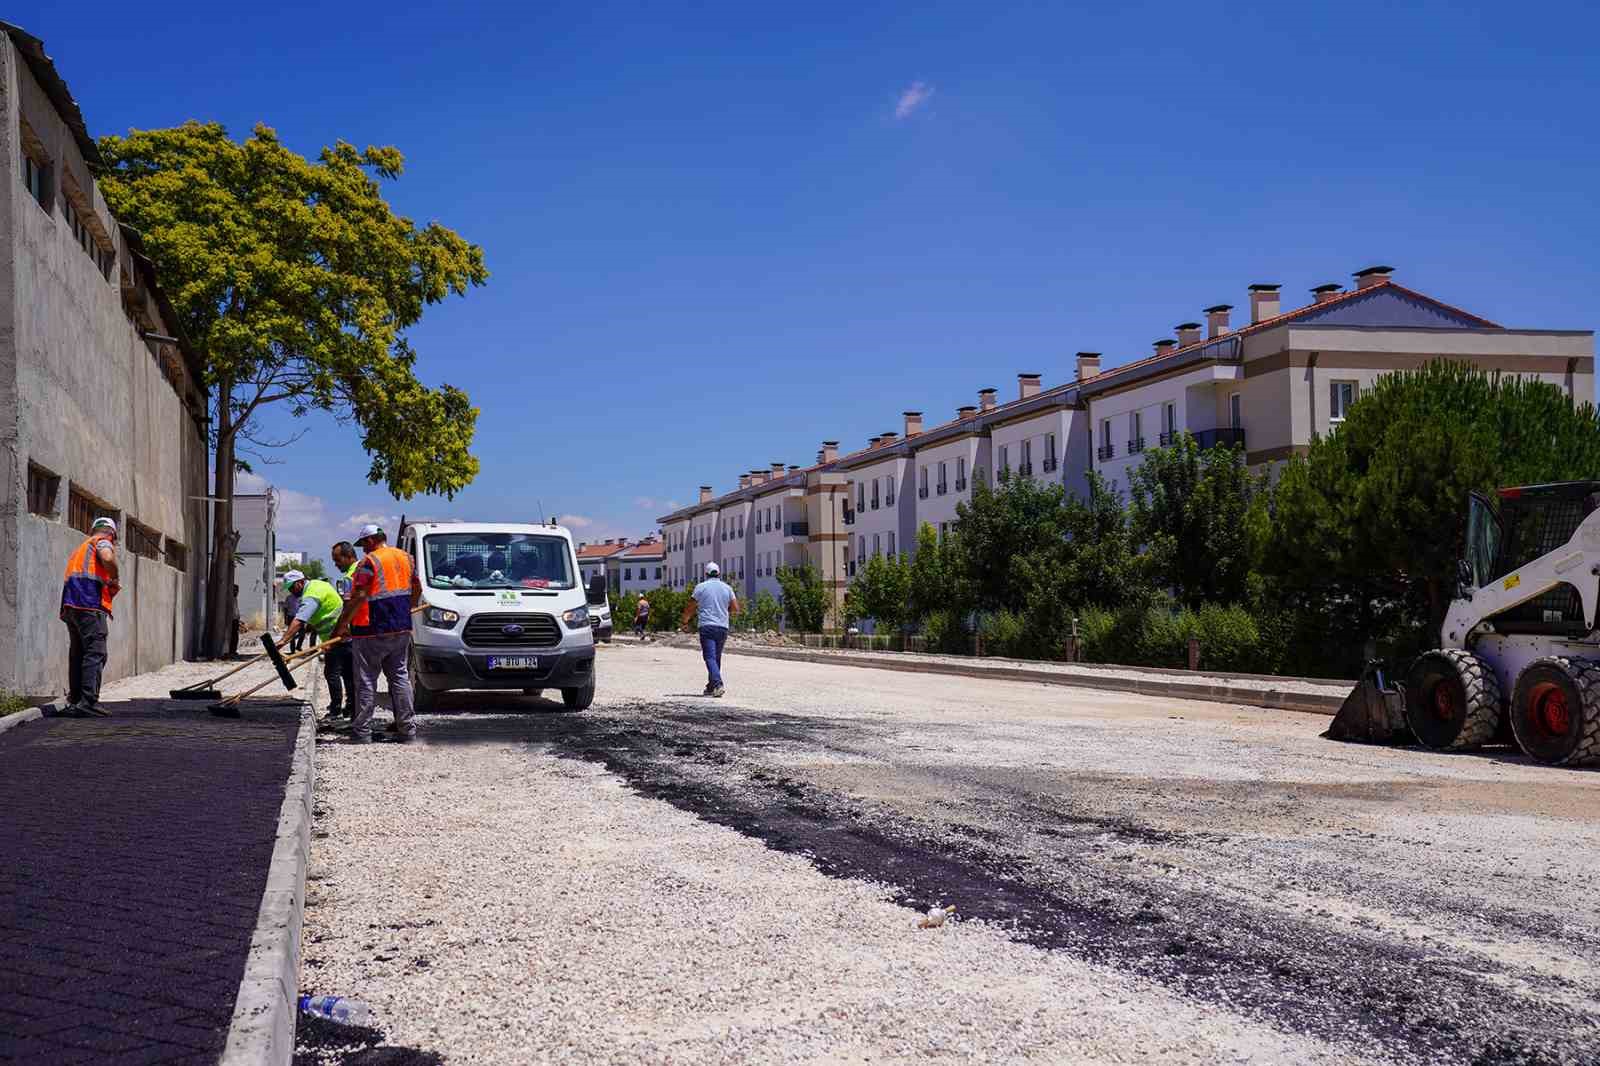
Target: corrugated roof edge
44 69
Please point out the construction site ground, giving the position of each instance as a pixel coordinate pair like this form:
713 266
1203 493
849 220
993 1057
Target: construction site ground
670 878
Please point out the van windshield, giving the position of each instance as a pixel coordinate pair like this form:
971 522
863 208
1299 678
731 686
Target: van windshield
497 561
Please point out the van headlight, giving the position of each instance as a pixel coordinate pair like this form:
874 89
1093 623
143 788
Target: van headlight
577 618
440 618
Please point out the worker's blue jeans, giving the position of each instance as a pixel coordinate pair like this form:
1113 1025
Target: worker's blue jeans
712 638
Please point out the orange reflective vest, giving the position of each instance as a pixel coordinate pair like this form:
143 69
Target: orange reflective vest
388 605
86 585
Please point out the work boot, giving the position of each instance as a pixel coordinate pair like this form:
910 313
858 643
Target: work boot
93 710
71 710
718 691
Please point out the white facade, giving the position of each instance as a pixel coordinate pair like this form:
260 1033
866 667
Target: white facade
962 459
1050 446
732 548
676 561
773 542
1128 423
637 569
881 516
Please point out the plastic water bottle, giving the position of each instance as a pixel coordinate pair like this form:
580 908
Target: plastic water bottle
337 1008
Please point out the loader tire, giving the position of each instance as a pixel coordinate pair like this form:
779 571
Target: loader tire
1555 711
1453 700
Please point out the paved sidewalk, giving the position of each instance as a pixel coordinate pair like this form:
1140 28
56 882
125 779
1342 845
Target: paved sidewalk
133 854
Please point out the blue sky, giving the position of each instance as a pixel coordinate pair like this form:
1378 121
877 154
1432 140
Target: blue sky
721 233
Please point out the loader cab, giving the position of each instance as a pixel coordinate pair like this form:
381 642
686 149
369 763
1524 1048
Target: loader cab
1513 528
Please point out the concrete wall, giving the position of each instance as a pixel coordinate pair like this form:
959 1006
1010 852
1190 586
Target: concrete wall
255 519
82 396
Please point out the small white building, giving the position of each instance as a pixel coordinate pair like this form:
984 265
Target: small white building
639 567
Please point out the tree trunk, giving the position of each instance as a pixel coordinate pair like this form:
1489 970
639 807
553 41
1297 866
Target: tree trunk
220 577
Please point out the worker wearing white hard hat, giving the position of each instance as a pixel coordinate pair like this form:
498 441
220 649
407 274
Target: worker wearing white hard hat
87 589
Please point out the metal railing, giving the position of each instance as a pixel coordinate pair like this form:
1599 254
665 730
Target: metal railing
796 529
1026 469
1232 437
944 487
1106 451
1166 438
961 484
1135 446
922 493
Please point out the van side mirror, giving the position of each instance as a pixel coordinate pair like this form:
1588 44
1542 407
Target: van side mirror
597 590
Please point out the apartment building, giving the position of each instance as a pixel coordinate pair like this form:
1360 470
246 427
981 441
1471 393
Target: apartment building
103 404
1266 387
1271 385
636 568
592 559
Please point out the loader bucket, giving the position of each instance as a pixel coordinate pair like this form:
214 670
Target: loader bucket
1374 712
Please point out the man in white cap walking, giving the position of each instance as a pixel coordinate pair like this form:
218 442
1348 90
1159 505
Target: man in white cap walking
89 586
713 598
377 617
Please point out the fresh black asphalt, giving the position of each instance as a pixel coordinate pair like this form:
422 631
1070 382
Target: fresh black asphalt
133 854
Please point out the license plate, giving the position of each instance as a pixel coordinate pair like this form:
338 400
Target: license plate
513 662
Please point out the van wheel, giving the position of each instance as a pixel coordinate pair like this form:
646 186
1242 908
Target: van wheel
578 699
423 699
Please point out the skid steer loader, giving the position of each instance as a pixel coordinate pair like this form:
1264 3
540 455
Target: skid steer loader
1521 641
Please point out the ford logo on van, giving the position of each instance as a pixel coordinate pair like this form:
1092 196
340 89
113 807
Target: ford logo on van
511 630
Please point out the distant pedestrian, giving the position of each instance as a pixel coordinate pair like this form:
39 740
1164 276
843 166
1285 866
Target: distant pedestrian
87 589
291 604
717 605
377 618
341 658
641 617
235 624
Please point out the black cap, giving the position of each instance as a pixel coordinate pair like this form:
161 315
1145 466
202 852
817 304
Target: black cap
1188 325
1329 287
1214 308
1265 287
1374 270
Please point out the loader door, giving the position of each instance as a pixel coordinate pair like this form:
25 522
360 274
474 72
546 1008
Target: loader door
1484 536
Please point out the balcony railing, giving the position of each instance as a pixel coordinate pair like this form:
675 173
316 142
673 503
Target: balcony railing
1232 437
1049 466
922 493
1026 469
943 488
1106 451
796 529
961 484
1135 446
1166 438
849 517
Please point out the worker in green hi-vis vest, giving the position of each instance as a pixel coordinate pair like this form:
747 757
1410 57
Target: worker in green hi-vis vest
341 658
320 607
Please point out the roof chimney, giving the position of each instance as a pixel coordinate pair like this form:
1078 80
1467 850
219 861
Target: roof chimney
1263 302
777 470
1371 276
1188 333
913 423
1165 345
1217 319
1088 364
886 439
744 481
830 451
1027 385
1324 293
758 477
793 469
986 399
705 496
965 411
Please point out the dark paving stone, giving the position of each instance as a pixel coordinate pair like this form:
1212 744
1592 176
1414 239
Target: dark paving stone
133 853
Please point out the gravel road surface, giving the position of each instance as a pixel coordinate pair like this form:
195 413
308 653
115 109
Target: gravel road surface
667 878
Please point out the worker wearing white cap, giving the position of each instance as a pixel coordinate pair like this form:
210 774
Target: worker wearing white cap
377 617
716 604
89 586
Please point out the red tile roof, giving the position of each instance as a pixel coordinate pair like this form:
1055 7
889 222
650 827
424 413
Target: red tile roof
591 552
648 549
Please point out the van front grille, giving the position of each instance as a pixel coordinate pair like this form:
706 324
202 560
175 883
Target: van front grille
495 630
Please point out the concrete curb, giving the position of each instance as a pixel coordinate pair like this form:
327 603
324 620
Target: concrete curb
11 721
262 1032
1158 685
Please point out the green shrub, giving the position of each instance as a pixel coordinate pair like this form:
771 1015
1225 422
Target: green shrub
11 703
764 614
946 632
1003 633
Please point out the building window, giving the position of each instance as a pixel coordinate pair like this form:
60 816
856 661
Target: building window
177 555
658 573
1169 423
877 544
1106 451
888 489
922 483
862 553
83 509
944 483
1027 458
1341 394
891 545
1135 433
861 495
1235 411
1004 466
961 473
874 494
35 172
1049 452
627 575
43 490
142 540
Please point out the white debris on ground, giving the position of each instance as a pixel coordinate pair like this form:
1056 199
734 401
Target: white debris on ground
498 904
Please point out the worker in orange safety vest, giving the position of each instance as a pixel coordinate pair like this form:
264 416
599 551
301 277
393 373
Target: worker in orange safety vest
87 589
377 617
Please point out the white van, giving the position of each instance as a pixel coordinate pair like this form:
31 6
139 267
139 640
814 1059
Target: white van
506 609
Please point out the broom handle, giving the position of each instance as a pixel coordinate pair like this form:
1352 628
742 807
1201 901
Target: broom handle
212 682
299 659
